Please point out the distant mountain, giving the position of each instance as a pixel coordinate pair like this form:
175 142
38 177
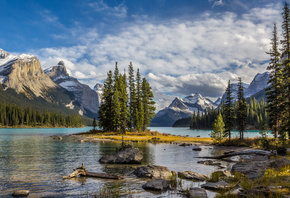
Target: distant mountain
260 82
234 89
99 88
181 108
23 82
255 89
87 98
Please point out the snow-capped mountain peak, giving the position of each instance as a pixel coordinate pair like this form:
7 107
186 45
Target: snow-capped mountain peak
57 72
259 83
182 108
3 54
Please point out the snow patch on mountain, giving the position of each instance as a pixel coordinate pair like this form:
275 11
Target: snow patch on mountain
259 83
182 108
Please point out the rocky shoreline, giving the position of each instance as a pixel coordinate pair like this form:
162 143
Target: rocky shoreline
162 179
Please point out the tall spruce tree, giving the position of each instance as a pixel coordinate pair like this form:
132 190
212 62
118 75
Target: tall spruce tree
285 52
105 111
274 91
241 109
132 98
148 104
123 102
139 105
228 111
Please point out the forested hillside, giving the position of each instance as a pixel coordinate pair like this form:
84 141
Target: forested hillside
256 113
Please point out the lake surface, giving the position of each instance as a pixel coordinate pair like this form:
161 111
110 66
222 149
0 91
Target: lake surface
30 159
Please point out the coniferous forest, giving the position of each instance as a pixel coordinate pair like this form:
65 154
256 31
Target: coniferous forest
16 116
127 104
256 113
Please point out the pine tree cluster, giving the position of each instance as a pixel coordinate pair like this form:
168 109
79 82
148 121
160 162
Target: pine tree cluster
278 92
14 115
255 114
126 105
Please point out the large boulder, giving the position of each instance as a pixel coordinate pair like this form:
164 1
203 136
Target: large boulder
255 169
157 184
192 175
197 193
123 156
153 171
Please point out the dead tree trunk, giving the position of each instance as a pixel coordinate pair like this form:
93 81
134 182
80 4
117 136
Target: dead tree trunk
82 171
247 152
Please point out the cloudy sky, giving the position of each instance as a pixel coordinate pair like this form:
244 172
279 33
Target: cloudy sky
180 46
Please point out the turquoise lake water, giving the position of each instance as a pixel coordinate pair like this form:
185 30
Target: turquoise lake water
30 159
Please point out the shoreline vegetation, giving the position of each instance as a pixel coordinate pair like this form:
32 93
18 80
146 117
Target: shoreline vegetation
157 137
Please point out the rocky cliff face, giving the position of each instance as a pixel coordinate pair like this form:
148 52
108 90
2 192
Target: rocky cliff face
99 88
258 85
84 95
23 73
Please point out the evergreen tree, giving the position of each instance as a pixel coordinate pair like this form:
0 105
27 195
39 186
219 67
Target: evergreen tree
274 91
94 123
139 105
285 107
148 104
105 112
228 112
132 99
218 129
241 109
116 113
124 110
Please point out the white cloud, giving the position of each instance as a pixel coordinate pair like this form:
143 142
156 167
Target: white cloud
178 57
117 11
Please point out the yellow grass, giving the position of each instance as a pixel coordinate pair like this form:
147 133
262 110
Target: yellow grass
147 136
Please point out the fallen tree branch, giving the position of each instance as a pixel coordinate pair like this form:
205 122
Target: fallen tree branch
247 152
82 171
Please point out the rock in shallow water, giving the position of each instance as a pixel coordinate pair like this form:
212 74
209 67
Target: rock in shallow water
21 193
192 175
197 193
153 171
209 162
123 156
220 185
157 184
196 148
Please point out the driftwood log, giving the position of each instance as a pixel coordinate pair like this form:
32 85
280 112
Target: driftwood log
82 171
246 152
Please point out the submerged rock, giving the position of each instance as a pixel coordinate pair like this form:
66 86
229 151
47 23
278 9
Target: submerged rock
153 171
209 162
21 193
196 148
55 137
197 193
220 185
185 144
157 184
192 175
123 156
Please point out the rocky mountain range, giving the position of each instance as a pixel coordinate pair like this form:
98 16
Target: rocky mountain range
23 82
87 98
184 107
255 89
